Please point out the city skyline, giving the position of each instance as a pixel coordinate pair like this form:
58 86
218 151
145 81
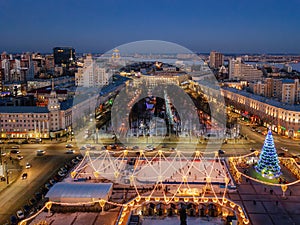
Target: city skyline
231 27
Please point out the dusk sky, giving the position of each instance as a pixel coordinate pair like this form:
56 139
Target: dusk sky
231 26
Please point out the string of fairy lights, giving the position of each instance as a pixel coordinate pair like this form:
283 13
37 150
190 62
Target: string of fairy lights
104 164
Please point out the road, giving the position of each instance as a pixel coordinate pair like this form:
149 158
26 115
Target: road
292 145
17 194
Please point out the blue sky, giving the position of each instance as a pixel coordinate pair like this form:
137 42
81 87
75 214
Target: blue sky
231 26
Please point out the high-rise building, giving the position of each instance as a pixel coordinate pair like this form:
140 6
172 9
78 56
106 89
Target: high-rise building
1 81
216 59
241 71
64 56
288 91
49 63
91 75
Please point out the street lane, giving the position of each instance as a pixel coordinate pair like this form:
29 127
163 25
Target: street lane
17 194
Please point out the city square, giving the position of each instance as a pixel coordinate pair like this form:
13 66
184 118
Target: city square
149 112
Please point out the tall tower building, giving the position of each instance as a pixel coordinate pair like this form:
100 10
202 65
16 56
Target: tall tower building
91 75
64 56
53 107
216 59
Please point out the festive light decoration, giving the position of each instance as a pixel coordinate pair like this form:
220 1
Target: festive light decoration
268 163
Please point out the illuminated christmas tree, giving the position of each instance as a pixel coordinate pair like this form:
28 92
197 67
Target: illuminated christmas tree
268 163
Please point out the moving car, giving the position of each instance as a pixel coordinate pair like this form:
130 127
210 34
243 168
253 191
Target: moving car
19 157
69 146
28 165
14 151
284 149
70 151
40 152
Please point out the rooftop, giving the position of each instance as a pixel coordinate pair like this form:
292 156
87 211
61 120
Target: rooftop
23 109
262 99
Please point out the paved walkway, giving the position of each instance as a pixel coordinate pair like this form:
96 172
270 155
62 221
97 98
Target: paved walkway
264 207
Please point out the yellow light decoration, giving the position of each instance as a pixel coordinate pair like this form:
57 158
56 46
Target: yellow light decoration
159 178
116 173
256 153
157 199
240 209
225 200
131 178
184 178
96 174
102 202
87 153
196 200
138 198
232 204
185 199
73 174
141 152
226 180
284 187
131 203
246 221
225 213
23 223
215 200
242 215
176 199
197 153
205 200
208 179
125 152
147 199
123 214
121 221
48 205
216 154
125 207
167 199
160 152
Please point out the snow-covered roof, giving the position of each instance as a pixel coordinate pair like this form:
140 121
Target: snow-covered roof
79 190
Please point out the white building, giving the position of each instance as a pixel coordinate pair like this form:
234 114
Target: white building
91 75
241 71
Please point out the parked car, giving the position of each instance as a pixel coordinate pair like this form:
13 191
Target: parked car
74 161
61 173
13 220
83 148
20 214
69 146
24 176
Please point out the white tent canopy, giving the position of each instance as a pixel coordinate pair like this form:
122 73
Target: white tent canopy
79 192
